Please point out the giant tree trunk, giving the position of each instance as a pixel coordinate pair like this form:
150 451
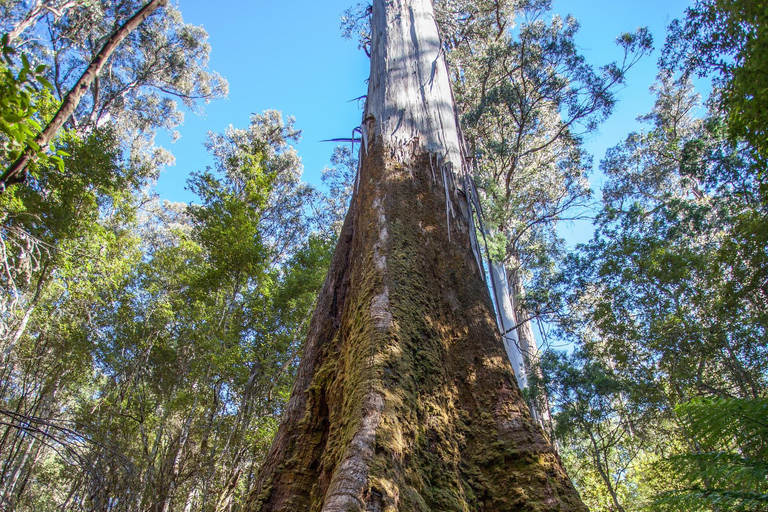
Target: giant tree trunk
404 399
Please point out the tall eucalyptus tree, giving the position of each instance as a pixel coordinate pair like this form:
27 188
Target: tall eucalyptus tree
527 97
404 399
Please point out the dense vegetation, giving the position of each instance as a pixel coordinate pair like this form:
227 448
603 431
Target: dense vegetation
662 402
147 348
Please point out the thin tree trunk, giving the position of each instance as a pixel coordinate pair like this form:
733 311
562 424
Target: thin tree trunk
16 474
509 324
525 331
602 469
27 468
38 10
528 345
15 173
404 399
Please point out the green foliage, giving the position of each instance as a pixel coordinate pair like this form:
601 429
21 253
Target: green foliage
669 285
728 39
669 295
600 427
526 97
729 469
65 252
19 124
156 344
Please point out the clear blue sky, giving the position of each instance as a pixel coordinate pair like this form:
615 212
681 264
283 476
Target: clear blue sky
291 57
285 56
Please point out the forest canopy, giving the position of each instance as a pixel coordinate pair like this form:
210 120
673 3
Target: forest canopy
148 348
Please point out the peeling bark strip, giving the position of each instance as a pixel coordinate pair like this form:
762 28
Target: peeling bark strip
507 322
404 399
350 481
409 91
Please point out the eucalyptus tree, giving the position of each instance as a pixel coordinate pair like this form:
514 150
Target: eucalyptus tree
526 98
726 40
668 294
116 62
403 398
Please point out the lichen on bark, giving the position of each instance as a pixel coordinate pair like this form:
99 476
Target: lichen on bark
404 399
407 403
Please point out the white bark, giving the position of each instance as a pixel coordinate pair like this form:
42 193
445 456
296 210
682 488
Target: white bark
528 345
507 323
410 103
525 331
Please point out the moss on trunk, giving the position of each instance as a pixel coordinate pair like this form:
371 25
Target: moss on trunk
405 400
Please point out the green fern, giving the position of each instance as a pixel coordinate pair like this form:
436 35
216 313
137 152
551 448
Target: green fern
729 469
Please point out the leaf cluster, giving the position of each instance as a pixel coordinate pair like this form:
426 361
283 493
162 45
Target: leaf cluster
19 124
729 469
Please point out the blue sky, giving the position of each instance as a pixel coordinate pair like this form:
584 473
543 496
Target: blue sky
284 56
291 57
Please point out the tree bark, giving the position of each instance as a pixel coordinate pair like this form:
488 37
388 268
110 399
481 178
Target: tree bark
528 344
37 11
16 171
404 399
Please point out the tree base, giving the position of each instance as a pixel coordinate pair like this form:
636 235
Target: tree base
405 399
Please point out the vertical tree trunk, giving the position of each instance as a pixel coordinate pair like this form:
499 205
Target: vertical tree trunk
404 399
528 346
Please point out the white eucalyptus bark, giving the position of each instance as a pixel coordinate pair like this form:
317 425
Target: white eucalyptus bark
527 342
410 102
508 324
525 331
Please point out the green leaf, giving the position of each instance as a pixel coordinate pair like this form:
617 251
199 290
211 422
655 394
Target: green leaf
44 82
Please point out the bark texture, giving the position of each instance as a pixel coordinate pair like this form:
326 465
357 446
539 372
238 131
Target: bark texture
409 91
508 324
404 399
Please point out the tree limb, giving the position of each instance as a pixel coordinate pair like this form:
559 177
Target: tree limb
15 173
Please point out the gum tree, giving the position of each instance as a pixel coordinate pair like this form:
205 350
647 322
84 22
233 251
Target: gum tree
404 399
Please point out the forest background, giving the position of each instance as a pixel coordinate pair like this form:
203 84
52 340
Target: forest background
148 347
